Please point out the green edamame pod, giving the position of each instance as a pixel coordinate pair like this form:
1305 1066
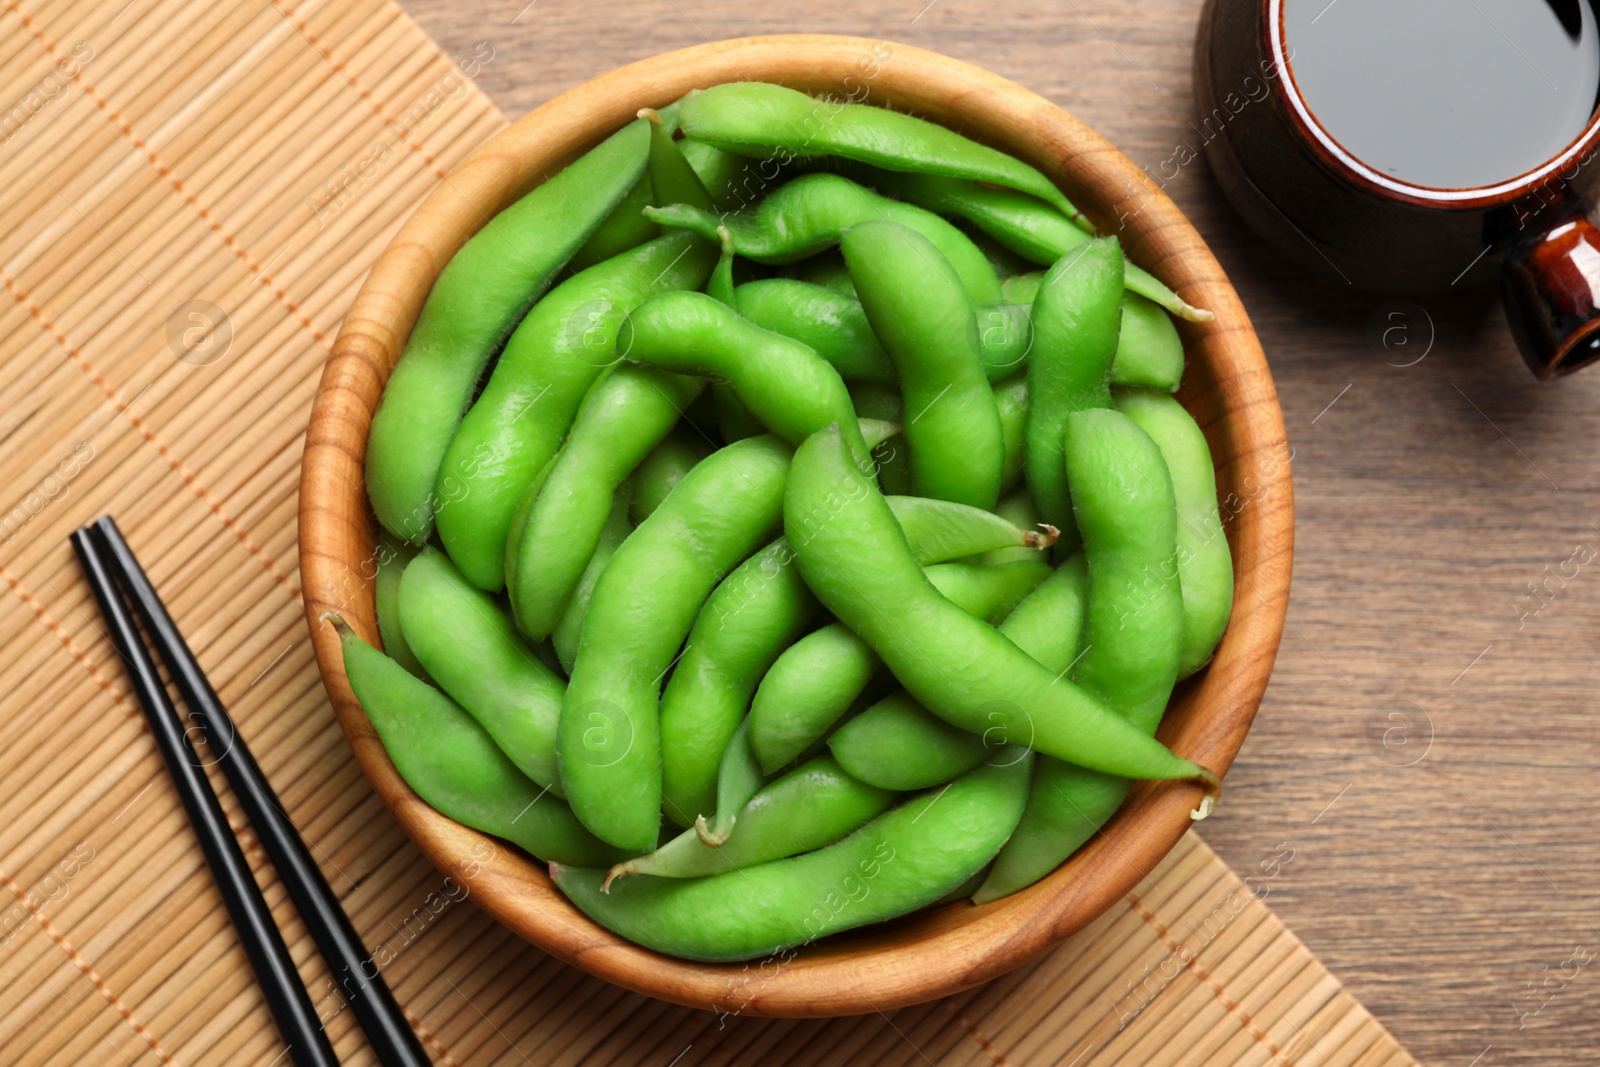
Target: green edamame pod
813 805
1132 632
450 761
473 653
1205 567
1021 288
939 530
916 307
526 408
609 746
807 215
831 323
855 559
393 555
615 531
672 178
1022 224
733 181
660 471
791 389
475 303
898 744
622 419
1011 403
889 458
625 228
755 613
903 860
805 692
1005 337
827 270
1149 350
739 778
764 120
1075 321
819 677
733 419
519 521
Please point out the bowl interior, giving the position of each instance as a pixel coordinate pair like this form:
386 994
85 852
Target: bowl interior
1227 388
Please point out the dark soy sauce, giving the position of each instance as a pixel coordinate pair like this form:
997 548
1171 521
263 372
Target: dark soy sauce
1451 94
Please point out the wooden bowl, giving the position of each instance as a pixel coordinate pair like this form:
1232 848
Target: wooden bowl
1227 388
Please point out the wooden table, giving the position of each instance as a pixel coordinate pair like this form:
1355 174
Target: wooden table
1412 794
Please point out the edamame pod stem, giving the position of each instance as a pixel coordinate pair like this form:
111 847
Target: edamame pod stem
609 745
615 531
1075 321
930 330
1132 632
898 744
755 613
1011 403
1205 567
660 471
1021 223
807 215
813 805
829 322
625 228
791 389
621 420
902 860
1016 508
526 408
819 677
393 555
739 778
855 559
477 300
760 119
450 761
473 653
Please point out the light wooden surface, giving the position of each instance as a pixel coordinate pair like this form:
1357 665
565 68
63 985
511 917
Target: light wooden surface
1427 497
1227 388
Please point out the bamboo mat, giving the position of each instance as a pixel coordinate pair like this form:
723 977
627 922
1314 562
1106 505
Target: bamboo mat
191 194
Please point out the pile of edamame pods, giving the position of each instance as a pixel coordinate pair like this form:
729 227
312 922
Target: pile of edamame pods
823 543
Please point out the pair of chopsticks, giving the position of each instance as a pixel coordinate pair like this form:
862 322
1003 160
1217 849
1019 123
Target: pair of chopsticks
107 562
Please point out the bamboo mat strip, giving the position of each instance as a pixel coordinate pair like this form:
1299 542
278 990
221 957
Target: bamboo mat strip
179 165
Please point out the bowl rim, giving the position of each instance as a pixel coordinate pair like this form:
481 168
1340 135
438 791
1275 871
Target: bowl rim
888 965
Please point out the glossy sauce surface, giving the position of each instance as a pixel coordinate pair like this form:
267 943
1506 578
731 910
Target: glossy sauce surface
1447 93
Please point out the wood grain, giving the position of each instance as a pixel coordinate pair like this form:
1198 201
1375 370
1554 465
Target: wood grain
1438 891
1228 389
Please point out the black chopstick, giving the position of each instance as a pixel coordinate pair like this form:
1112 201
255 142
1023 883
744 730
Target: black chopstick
359 981
358 978
263 943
